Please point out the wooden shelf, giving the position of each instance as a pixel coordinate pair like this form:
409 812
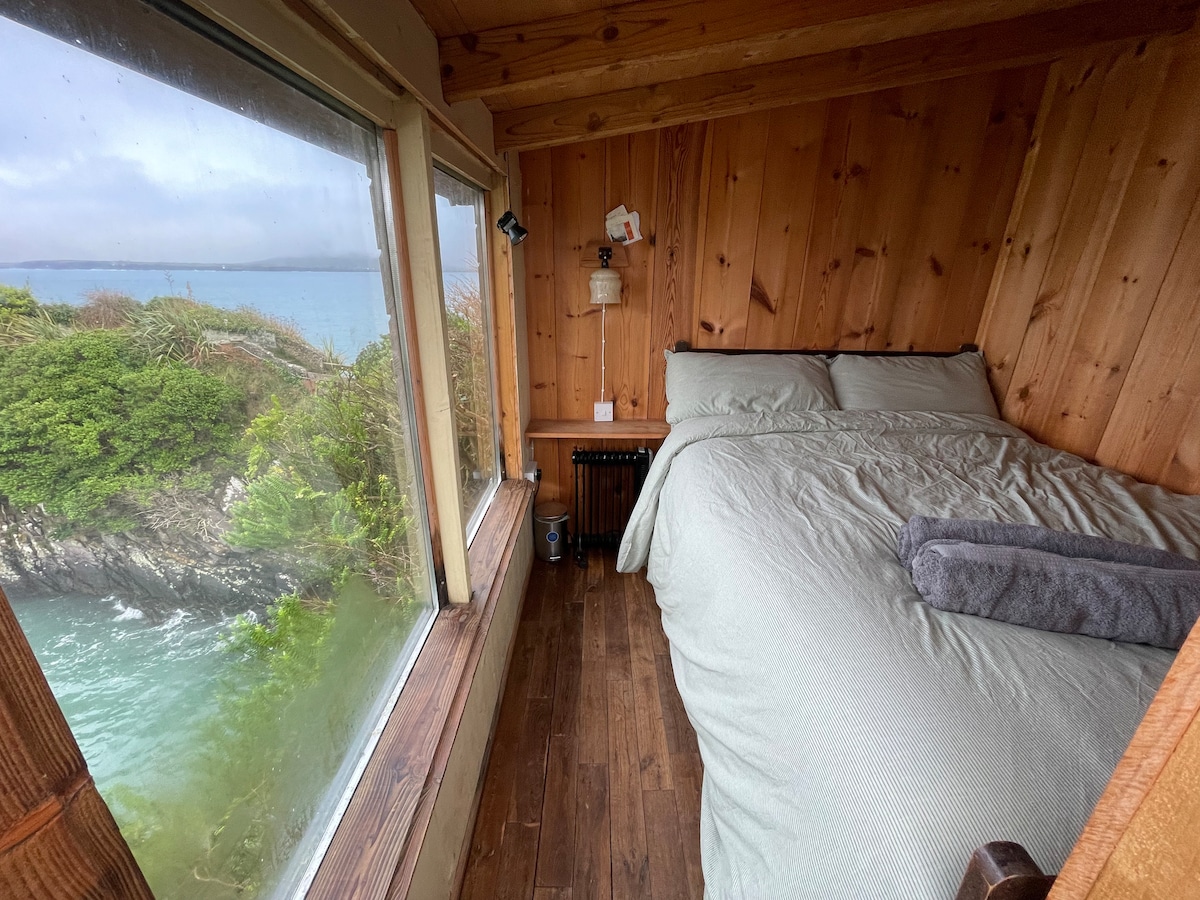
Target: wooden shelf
625 429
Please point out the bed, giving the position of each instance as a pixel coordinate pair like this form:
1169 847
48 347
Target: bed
856 741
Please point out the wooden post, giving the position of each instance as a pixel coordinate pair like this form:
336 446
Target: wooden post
57 838
410 165
504 324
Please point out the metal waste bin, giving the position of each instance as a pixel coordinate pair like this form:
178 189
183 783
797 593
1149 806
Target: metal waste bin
550 531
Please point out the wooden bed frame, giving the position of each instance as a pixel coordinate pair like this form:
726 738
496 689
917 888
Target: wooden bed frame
1139 843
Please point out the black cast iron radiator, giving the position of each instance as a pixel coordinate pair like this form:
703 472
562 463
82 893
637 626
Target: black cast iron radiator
607 484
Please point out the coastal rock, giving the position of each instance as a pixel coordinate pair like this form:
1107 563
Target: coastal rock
157 569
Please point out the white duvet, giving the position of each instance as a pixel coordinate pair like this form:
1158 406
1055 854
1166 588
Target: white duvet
858 743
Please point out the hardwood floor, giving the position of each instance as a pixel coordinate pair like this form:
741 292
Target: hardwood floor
593 787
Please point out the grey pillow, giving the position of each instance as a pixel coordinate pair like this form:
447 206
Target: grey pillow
713 384
952 384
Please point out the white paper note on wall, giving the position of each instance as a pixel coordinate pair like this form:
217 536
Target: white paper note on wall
623 226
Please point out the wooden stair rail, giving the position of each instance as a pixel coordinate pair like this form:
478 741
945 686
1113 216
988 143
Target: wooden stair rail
58 840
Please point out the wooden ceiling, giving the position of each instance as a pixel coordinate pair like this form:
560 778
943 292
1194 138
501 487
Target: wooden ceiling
558 72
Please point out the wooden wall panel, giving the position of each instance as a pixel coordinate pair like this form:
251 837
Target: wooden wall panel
537 200
793 155
681 158
737 163
1091 327
864 221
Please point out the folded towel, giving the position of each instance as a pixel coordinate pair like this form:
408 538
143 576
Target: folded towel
1121 602
920 529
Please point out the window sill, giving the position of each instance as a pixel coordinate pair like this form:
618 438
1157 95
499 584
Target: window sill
374 850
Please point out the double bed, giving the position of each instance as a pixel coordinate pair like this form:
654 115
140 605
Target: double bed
856 741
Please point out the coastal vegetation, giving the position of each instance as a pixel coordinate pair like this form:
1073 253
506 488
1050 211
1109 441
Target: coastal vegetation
118 416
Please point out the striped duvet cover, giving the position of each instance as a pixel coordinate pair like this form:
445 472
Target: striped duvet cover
856 742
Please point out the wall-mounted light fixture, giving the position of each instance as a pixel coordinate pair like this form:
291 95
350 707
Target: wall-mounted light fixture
509 225
604 285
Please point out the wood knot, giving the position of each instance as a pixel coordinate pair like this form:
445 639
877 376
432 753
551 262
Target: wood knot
936 266
1041 306
610 33
469 41
758 294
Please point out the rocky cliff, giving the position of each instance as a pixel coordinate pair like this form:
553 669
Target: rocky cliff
167 562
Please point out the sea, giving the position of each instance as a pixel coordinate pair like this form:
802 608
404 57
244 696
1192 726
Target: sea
135 688
346 308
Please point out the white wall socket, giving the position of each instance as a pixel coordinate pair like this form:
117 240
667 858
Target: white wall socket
603 412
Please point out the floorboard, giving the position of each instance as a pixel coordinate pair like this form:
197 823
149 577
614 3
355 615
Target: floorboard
593 786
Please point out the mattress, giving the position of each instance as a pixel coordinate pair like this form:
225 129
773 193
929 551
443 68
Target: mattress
857 742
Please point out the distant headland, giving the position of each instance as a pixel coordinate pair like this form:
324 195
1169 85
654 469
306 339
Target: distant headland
348 263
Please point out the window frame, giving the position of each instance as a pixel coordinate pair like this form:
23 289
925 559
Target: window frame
400 329
318 52
486 279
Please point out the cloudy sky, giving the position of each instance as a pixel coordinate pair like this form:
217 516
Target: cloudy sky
101 163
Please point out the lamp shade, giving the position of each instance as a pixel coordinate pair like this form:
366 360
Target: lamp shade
605 285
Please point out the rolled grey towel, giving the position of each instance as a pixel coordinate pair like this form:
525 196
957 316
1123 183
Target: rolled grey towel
1121 602
920 529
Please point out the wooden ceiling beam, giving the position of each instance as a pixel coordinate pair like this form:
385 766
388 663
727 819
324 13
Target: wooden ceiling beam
1029 40
651 41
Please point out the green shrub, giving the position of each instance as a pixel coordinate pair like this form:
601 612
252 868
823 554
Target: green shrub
87 416
16 300
325 478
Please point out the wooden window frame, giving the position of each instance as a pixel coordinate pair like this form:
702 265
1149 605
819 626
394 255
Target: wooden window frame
453 156
489 315
377 841
408 156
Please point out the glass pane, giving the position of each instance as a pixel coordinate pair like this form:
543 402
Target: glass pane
464 278
211 526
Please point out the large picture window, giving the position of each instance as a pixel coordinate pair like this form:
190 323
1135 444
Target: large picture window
468 325
211 524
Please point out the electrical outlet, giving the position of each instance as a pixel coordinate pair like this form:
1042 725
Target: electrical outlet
603 412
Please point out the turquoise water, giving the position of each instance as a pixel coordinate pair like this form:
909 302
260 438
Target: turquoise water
133 690
345 307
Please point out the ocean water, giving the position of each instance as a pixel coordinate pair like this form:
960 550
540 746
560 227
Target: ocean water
133 689
347 308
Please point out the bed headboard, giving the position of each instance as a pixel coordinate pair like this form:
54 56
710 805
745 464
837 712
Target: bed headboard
685 347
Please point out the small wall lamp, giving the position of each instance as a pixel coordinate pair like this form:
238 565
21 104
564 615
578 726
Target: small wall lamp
605 288
605 283
509 225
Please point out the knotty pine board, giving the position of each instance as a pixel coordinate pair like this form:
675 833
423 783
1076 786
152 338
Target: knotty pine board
868 221
1091 328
